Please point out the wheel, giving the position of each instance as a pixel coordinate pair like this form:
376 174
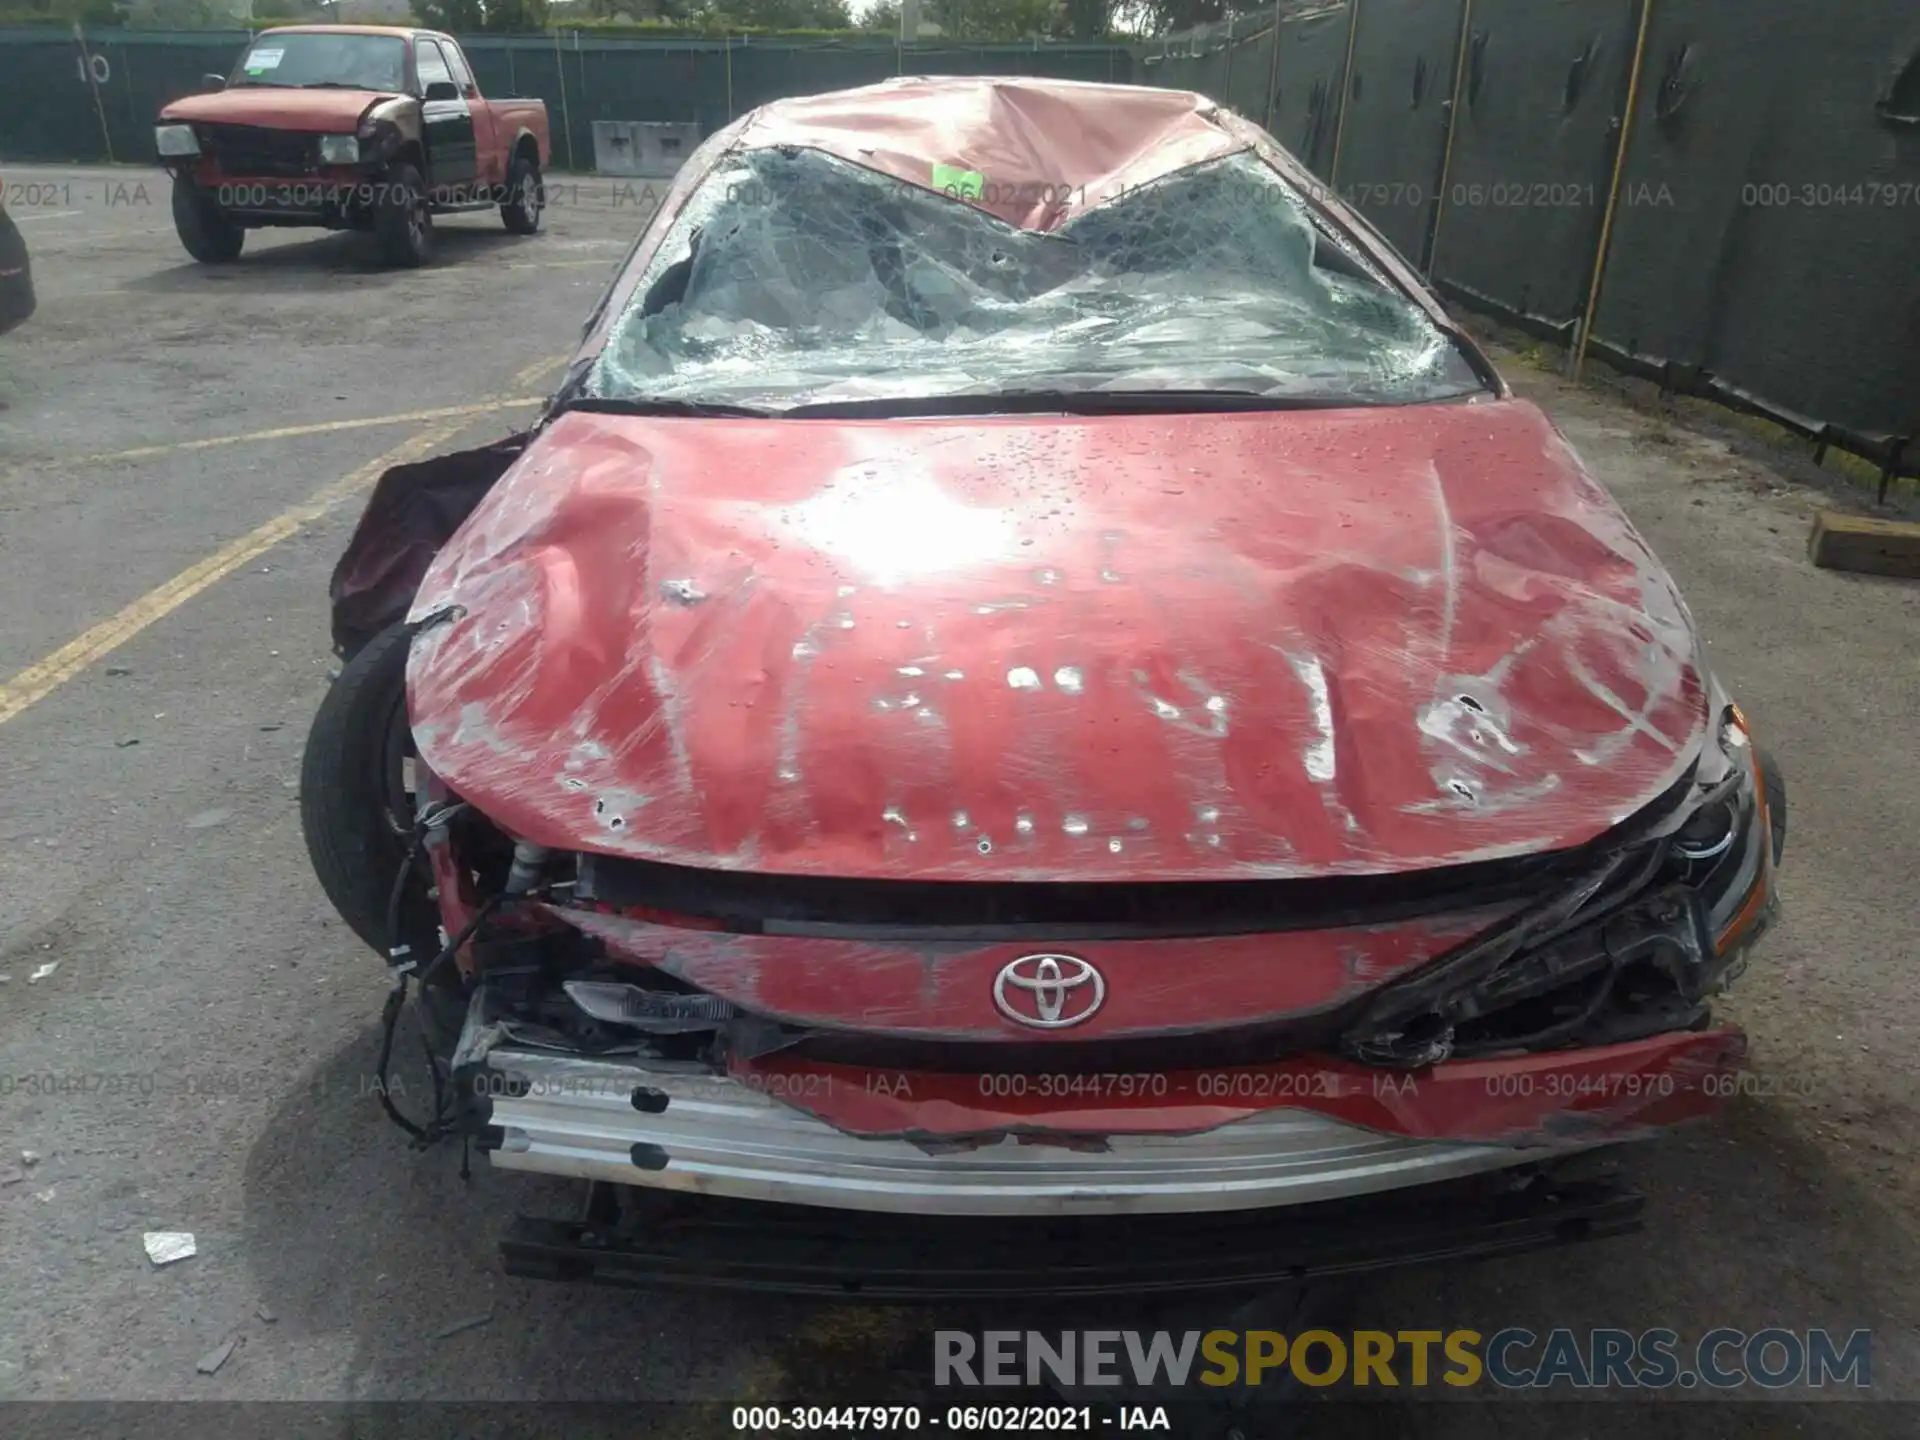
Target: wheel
356 812
209 237
402 220
526 197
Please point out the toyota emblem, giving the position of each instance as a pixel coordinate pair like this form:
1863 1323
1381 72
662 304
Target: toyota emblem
1048 992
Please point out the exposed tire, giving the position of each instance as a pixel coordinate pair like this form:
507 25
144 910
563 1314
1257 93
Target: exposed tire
16 277
209 236
1775 782
356 817
526 197
402 219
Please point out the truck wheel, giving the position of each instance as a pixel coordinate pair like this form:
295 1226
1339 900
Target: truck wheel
209 237
403 222
355 814
526 197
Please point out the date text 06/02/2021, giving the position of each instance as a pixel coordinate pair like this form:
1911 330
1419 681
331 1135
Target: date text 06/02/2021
954 1420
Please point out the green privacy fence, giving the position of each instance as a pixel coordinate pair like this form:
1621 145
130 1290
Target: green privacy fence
67 99
1721 195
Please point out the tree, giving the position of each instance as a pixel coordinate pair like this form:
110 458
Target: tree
467 17
518 15
1164 17
991 19
456 17
1002 19
785 14
50 12
1086 19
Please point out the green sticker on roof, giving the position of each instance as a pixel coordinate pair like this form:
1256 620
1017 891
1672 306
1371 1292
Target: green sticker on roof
959 183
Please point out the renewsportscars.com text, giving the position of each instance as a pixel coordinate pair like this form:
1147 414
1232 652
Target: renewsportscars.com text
1509 1359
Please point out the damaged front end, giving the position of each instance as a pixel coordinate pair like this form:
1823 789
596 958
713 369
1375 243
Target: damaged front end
635 1025
1578 1019
835 1042
1634 948
1074 804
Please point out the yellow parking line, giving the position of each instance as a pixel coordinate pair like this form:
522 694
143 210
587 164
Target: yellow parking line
42 678
288 432
539 367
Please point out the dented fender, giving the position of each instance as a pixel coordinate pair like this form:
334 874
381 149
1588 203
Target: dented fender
413 511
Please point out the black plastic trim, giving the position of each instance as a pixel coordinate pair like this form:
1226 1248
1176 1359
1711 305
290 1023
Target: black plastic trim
744 1246
748 902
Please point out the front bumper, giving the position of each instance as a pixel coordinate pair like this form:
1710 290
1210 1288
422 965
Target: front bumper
746 1136
331 195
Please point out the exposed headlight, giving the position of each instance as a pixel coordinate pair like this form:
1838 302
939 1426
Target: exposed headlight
176 140
1727 844
1635 949
339 150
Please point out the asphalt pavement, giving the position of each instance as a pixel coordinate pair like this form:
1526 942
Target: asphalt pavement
182 453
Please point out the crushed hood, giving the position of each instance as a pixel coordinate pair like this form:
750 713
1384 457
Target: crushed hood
1111 648
332 112
1034 152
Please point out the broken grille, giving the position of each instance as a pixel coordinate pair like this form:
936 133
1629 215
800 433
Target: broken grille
251 150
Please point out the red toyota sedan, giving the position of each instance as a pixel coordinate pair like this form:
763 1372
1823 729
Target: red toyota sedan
1032 671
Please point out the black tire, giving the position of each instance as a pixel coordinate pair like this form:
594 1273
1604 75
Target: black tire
356 817
526 197
1775 782
403 220
209 236
16 277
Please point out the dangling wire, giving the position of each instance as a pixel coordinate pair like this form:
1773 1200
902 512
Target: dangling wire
400 962
439 1125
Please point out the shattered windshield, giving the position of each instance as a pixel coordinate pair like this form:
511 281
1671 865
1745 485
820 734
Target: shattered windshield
794 278
317 59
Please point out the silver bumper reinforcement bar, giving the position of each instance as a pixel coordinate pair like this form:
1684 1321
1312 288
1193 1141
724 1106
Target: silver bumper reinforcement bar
625 1121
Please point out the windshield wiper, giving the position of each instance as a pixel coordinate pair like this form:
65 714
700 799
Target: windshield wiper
336 85
1077 402
658 405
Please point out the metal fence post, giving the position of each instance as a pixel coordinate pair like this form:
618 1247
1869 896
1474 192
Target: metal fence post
93 86
566 114
1432 249
1273 71
126 85
1346 93
1613 190
726 38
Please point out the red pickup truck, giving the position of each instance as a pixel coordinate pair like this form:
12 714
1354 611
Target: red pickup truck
355 127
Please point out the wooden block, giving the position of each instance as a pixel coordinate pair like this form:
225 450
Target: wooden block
1866 545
